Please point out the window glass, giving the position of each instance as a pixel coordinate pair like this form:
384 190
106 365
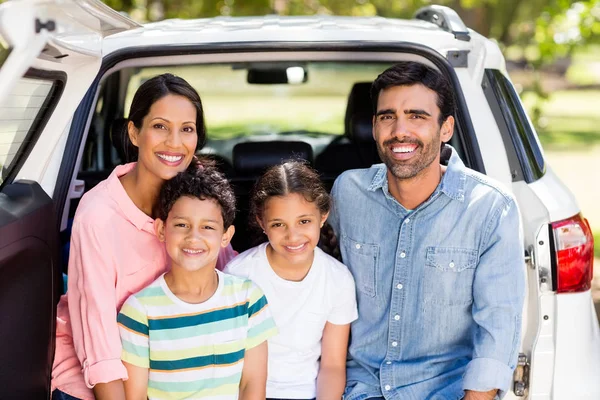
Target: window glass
233 107
4 50
519 127
18 114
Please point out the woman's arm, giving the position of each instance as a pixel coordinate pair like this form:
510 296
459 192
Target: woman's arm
331 380
254 373
92 305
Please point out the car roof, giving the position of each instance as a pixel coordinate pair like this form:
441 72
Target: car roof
299 29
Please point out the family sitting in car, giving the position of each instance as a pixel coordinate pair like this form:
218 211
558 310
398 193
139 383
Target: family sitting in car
426 305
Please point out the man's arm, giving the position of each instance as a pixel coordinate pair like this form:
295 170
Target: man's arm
254 373
331 380
498 294
471 395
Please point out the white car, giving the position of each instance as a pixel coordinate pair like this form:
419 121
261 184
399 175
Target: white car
272 87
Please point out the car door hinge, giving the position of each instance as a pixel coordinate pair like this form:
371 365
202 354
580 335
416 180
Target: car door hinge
49 25
521 375
458 58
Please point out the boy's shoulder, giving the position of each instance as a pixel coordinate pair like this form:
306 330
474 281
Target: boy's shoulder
150 292
235 285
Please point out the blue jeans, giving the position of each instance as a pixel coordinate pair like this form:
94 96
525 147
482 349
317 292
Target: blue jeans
58 395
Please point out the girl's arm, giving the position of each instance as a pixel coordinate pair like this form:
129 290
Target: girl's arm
136 387
331 380
254 373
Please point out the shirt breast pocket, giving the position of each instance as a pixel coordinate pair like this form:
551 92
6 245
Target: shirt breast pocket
361 259
449 274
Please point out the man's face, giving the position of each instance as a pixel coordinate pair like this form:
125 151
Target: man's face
407 131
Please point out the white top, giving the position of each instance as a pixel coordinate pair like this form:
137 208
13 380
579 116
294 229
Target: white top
300 310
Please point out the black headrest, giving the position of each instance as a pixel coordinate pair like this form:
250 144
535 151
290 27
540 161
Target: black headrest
253 158
120 140
359 113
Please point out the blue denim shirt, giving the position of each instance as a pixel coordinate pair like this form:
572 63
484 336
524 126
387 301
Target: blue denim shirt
440 288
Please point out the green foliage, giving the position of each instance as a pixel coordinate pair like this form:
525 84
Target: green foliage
597 246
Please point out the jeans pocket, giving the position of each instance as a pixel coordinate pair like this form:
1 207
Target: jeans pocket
361 258
449 274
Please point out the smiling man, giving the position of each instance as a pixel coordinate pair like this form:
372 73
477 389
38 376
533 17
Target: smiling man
436 252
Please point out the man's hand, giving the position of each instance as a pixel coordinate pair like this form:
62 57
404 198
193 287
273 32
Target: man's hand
471 395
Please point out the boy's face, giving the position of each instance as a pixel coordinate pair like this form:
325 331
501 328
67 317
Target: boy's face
194 233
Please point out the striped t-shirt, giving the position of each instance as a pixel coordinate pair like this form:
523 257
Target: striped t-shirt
194 351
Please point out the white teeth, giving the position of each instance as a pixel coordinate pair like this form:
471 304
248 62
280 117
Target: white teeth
403 149
169 158
295 248
192 251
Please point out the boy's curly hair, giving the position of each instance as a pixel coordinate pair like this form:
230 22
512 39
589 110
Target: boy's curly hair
201 180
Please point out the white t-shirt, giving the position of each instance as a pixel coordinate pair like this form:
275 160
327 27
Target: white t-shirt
300 310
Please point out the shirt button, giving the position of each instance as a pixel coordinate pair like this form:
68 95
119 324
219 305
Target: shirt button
407 220
394 344
357 246
399 286
451 265
402 255
387 387
388 362
396 317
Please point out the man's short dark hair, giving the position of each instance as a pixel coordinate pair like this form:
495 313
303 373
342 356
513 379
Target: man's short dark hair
408 73
202 180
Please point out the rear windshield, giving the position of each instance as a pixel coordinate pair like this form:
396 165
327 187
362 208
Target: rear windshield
20 115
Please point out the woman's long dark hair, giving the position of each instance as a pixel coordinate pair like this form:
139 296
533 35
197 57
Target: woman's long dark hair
149 93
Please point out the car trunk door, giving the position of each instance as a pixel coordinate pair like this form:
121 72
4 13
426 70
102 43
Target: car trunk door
50 52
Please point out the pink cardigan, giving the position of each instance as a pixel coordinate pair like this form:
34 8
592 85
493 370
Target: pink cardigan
114 253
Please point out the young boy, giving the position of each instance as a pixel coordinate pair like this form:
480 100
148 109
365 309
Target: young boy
195 332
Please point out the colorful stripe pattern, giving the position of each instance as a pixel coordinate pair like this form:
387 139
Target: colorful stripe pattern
194 351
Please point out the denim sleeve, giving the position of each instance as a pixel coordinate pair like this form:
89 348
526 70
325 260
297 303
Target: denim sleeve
333 218
498 295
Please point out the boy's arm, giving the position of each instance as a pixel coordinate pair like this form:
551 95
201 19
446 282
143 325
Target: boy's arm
136 387
110 391
331 380
254 373
134 330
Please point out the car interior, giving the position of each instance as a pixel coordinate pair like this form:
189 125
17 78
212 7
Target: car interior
243 156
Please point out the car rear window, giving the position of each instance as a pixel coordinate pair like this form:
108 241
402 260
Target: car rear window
520 139
21 117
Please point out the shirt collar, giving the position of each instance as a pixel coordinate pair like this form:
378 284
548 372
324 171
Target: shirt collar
452 184
117 192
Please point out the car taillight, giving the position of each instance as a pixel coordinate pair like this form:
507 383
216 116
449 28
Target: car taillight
574 246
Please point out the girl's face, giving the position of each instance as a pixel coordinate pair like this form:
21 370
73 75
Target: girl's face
293 226
167 139
193 233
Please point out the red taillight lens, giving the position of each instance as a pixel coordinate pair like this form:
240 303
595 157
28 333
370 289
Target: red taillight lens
574 245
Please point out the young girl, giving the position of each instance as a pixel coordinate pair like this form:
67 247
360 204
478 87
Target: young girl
196 333
114 251
311 295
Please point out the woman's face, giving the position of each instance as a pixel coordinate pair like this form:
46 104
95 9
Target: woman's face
168 137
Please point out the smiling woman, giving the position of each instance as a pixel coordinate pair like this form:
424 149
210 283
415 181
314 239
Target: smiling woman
114 251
